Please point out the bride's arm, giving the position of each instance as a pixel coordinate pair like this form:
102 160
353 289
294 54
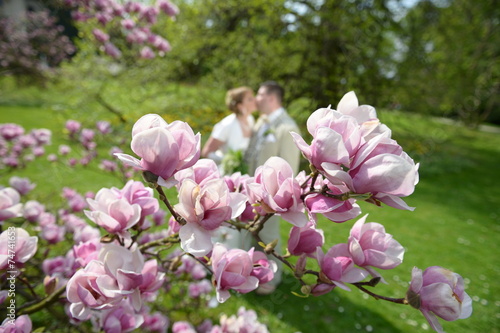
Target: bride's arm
210 146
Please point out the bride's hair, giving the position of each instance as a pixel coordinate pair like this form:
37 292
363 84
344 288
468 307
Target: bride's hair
235 96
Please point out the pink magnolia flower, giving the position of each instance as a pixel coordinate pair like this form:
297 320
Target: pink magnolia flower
10 205
21 185
128 24
336 138
22 324
32 210
53 233
183 327
365 115
370 245
164 148
113 213
73 126
147 53
332 208
201 172
87 289
106 281
263 268
205 208
168 7
237 183
100 35
339 268
87 135
104 127
41 135
197 289
277 191
56 265
232 270
24 249
111 50
243 321
152 279
305 240
439 292
161 44
192 267
380 167
64 149
156 322
84 252
11 131
125 267
121 318
136 193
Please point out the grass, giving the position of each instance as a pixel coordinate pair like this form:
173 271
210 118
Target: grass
456 223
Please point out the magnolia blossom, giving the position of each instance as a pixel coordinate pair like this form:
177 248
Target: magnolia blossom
32 210
21 185
370 245
73 126
336 137
83 253
201 172
116 274
332 208
245 321
232 270
183 327
439 292
121 318
305 240
10 205
112 212
21 324
382 168
237 183
10 131
277 191
25 247
136 193
205 208
164 148
88 289
156 322
365 115
338 267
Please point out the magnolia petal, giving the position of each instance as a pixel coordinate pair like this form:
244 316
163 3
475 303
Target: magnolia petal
348 102
195 240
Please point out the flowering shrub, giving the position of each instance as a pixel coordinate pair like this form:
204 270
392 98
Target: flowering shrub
128 24
136 246
32 45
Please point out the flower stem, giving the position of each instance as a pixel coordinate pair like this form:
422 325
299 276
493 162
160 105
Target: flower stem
43 303
164 199
360 286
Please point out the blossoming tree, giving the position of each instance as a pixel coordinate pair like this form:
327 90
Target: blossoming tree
117 269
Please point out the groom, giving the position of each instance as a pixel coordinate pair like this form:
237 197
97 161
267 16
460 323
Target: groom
271 133
271 137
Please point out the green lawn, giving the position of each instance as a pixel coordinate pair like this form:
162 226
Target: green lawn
456 225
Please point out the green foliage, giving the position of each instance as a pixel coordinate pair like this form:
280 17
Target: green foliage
451 65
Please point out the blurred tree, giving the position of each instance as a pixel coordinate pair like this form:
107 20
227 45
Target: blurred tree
451 60
317 49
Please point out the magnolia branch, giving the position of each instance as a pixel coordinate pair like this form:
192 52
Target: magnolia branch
43 303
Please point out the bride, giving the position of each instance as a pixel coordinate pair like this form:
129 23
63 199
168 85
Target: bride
230 137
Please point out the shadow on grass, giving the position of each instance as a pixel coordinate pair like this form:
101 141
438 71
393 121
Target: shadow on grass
332 312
